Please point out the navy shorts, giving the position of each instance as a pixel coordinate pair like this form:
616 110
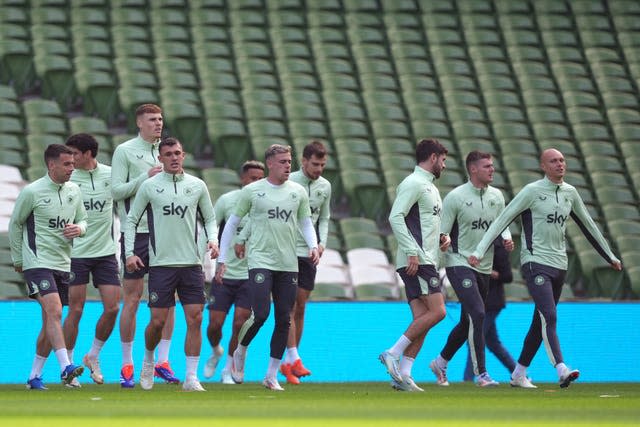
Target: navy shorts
45 281
164 282
140 248
425 282
306 273
231 291
104 271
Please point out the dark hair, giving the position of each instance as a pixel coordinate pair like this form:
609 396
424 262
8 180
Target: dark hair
427 147
314 148
53 152
474 156
83 142
168 142
251 164
148 108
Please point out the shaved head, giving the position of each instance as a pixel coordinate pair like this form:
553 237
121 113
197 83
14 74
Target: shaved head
553 165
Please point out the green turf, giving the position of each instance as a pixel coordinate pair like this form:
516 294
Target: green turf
353 404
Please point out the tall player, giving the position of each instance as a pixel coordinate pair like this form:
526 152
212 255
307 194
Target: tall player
133 162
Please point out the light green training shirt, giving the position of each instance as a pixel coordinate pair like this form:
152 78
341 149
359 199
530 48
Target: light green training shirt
173 204
95 186
129 167
319 193
42 210
274 212
236 268
467 213
544 208
415 219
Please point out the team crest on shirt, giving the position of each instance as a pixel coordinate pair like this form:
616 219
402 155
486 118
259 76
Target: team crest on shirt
466 283
44 285
434 282
70 199
153 297
259 278
188 191
539 280
320 193
294 196
106 183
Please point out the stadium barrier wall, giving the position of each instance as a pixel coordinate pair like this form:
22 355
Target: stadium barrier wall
342 340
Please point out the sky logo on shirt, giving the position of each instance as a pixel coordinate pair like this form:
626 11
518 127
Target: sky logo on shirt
278 213
437 210
480 224
95 205
58 222
174 209
556 218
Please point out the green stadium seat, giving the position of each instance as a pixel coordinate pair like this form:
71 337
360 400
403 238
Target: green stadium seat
366 193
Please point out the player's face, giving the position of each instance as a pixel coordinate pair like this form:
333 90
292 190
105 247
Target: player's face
314 166
279 167
484 170
82 160
438 165
251 175
60 169
150 125
553 164
171 157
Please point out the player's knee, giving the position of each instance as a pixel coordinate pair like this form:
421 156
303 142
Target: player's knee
439 313
548 315
111 311
75 312
194 319
477 317
157 323
298 311
282 322
237 323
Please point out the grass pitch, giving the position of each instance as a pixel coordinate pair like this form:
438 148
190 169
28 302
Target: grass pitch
313 404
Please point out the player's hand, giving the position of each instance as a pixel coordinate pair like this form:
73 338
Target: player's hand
616 265
320 250
17 268
134 263
445 241
220 270
314 254
239 249
412 265
215 251
508 245
473 261
495 275
154 171
71 231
